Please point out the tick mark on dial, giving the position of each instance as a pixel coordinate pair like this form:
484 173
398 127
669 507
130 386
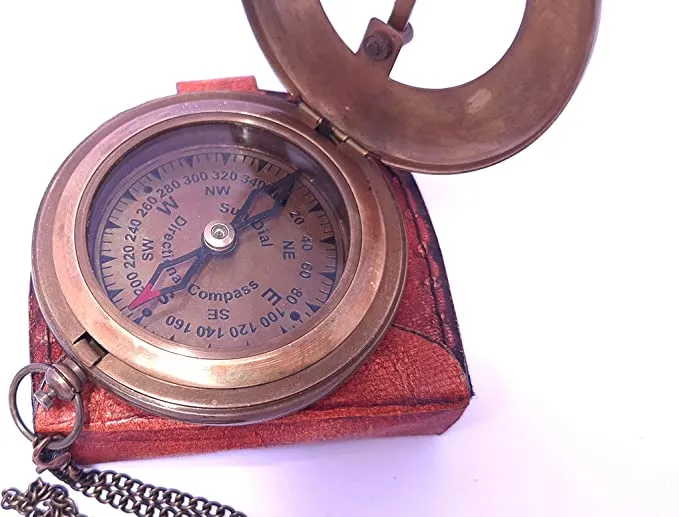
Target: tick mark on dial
314 308
330 275
110 225
148 189
128 195
113 293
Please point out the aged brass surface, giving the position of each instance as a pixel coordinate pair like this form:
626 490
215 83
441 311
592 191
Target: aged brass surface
449 130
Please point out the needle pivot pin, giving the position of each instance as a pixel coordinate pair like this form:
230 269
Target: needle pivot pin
219 236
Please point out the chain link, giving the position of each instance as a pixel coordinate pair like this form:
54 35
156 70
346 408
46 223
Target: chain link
119 491
40 500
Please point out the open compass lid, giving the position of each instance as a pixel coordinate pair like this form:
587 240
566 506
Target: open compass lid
449 130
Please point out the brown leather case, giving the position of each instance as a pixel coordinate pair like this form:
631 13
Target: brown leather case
415 383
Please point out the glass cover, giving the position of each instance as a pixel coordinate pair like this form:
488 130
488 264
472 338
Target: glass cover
218 236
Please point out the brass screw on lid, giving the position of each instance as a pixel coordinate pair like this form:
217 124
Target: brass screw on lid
378 46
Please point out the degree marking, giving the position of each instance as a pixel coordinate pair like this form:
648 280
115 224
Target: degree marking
128 195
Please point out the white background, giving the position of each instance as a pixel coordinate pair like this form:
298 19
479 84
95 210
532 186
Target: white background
562 261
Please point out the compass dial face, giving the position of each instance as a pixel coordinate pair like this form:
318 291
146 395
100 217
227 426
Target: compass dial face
219 236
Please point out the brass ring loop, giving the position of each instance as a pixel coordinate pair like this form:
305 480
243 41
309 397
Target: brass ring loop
60 443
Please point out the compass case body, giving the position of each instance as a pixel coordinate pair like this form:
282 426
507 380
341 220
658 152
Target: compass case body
415 383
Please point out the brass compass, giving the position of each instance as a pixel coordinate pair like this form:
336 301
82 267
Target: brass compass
228 257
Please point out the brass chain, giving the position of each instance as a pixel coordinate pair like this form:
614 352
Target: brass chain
119 491
40 500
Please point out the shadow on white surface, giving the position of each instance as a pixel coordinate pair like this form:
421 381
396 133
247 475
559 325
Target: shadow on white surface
378 476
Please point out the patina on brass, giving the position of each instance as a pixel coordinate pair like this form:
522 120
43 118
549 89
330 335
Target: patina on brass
352 119
449 130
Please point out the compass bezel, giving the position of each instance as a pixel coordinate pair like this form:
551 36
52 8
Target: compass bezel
187 384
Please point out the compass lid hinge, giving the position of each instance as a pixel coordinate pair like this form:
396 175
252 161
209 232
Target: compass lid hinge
324 127
88 351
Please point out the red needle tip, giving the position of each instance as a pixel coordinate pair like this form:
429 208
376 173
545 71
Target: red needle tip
146 295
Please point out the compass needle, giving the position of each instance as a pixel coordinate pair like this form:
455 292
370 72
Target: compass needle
274 197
